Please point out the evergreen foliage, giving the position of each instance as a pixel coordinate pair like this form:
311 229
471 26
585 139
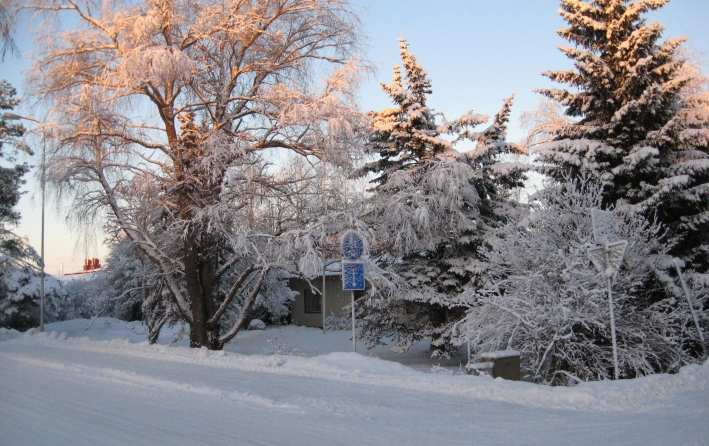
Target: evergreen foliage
407 134
19 295
10 176
432 206
637 123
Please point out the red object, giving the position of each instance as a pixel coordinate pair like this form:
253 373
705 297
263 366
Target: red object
92 264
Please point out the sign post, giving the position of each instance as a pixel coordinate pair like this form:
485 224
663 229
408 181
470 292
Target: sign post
607 259
352 249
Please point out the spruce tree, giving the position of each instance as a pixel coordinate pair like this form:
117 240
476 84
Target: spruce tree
635 126
432 206
11 174
406 135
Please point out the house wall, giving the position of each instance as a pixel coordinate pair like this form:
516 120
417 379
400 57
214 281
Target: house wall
335 300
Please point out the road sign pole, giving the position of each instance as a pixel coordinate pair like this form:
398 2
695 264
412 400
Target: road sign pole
615 345
354 331
352 248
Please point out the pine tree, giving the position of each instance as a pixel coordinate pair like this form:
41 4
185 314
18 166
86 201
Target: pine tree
635 127
432 206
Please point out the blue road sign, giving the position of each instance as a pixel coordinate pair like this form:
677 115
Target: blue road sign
353 276
352 245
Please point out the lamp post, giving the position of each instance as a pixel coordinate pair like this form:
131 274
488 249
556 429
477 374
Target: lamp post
43 181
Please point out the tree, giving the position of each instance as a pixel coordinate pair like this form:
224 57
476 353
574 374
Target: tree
432 206
408 134
224 84
11 178
119 289
7 24
20 293
635 125
544 298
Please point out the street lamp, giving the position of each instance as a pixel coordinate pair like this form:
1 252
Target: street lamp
15 117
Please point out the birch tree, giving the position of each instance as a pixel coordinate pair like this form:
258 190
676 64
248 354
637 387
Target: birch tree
165 113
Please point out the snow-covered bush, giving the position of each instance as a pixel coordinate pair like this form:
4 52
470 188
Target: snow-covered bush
544 298
257 324
20 296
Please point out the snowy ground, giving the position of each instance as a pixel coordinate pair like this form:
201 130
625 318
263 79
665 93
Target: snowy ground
98 383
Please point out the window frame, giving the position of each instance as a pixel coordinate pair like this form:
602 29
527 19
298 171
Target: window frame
312 303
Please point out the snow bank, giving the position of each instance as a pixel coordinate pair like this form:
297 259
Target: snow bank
101 329
636 394
8 333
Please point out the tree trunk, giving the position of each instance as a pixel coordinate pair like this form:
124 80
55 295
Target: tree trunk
200 278
198 305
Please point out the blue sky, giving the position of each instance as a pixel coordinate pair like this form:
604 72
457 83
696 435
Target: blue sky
476 52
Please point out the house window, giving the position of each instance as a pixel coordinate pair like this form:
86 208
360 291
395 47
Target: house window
312 301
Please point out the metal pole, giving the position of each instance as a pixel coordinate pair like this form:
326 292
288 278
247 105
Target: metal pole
615 345
41 289
468 339
323 295
354 335
690 301
323 205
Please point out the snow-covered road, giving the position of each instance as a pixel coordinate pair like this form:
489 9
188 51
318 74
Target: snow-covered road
86 392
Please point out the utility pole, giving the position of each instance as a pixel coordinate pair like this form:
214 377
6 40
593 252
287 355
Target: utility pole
44 186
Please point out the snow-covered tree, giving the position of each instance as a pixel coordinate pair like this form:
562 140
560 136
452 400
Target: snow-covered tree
7 24
19 272
119 289
20 294
407 134
11 175
432 206
165 114
543 297
634 125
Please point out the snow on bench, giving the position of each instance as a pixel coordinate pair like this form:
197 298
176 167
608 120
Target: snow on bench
500 354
